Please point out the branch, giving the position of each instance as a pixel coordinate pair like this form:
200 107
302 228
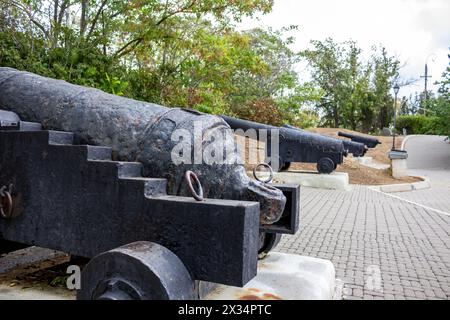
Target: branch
63 9
183 9
123 51
135 42
97 15
30 16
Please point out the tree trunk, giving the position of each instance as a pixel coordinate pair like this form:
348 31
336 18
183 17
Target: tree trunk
84 8
54 32
336 116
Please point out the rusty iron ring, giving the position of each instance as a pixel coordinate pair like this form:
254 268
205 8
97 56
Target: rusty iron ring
270 171
6 205
189 175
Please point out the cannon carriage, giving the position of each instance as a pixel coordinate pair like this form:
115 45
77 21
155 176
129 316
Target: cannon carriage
75 188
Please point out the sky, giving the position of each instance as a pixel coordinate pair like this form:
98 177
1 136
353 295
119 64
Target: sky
415 31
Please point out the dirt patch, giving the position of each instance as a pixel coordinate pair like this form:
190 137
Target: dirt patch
53 278
358 174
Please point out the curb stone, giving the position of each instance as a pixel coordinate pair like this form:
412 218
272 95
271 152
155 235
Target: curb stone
401 187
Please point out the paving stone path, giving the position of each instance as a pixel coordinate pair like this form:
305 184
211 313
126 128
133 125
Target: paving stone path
384 246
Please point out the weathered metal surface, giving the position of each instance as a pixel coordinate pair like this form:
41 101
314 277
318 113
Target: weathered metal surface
296 146
6 202
137 271
398 154
73 198
268 242
369 142
137 131
289 221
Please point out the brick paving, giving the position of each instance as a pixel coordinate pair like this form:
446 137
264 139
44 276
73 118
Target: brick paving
438 196
382 247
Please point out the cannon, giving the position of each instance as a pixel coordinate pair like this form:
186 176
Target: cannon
81 172
369 142
167 141
296 146
355 148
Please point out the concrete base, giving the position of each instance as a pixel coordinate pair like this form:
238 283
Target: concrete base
18 292
368 162
280 276
334 181
285 276
399 168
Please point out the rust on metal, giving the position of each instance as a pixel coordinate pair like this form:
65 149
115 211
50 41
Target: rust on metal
250 297
256 294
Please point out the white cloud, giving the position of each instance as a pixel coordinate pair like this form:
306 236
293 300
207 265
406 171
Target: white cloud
410 29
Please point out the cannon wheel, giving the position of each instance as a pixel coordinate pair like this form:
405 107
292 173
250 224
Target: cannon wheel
285 166
268 241
137 271
325 165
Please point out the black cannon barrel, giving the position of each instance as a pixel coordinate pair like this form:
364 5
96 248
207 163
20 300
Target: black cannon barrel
355 148
288 132
368 141
246 124
296 145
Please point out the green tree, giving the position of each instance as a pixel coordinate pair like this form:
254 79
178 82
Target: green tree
440 106
326 62
355 92
386 70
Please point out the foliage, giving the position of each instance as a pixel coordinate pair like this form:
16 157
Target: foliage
440 106
416 124
264 111
189 53
177 53
436 109
355 93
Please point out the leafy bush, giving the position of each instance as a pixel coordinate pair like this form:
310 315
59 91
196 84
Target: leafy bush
417 124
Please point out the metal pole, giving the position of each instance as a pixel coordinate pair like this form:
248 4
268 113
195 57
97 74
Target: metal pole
426 76
395 121
426 88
